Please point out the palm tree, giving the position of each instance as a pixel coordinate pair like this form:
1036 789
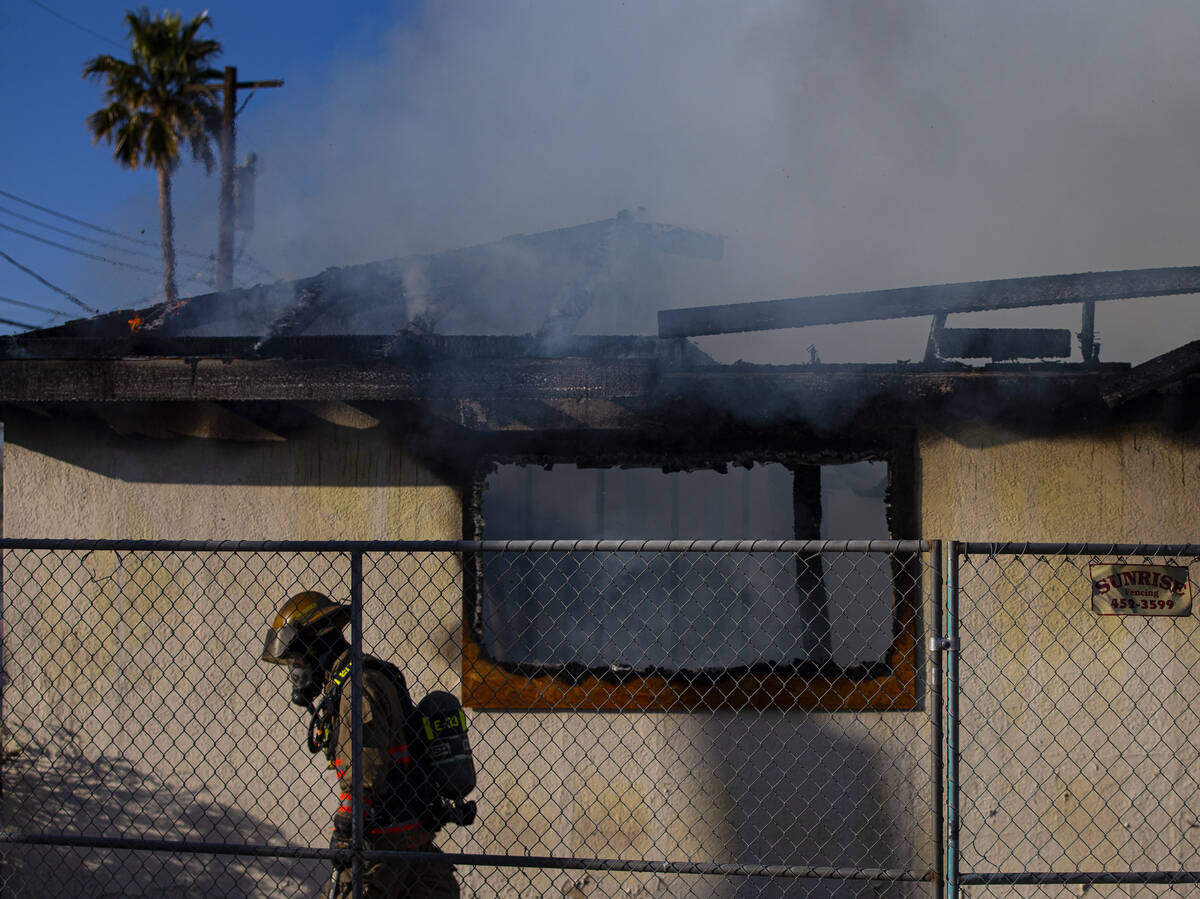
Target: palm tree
157 102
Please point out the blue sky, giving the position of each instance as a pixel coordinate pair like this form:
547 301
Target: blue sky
837 146
47 157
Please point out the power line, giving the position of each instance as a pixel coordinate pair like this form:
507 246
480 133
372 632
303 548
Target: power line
74 299
63 246
245 102
157 295
30 306
247 259
9 321
81 222
75 24
148 243
73 235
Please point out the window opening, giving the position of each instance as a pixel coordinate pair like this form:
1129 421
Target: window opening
686 612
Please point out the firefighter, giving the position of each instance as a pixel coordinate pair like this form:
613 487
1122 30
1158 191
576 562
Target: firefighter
306 635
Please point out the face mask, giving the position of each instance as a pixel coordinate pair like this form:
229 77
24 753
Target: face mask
306 686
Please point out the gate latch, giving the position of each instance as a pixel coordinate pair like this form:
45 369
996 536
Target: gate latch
943 644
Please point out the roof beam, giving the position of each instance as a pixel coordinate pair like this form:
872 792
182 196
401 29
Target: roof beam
904 302
1153 374
231 380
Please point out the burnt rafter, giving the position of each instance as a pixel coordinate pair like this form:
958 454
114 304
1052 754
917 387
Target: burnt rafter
491 385
231 380
562 270
586 376
968 296
409 350
1169 368
548 279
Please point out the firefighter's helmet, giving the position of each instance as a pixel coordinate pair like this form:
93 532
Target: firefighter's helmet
300 621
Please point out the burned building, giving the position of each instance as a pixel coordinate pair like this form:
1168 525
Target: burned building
480 395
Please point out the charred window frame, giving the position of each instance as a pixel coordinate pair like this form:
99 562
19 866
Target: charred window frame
888 683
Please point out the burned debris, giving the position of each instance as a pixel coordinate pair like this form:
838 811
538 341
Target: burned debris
543 284
942 300
408 333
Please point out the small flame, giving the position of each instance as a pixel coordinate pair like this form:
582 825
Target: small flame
135 324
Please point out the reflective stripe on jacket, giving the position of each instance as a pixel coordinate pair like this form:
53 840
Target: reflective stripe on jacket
389 776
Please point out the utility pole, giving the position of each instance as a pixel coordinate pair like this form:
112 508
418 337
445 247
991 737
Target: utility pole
230 86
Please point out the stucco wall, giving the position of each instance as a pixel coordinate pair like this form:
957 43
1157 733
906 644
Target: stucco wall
1079 732
1080 741
1136 483
134 692
68 479
212 737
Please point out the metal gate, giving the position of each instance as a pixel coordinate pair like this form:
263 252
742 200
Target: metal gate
649 719
1073 728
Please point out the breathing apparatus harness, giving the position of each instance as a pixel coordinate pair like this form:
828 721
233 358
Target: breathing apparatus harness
320 726
435 730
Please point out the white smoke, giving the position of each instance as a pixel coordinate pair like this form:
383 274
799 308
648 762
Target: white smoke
416 289
838 145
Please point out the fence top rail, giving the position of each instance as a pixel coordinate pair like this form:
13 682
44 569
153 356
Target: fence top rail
474 546
1078 549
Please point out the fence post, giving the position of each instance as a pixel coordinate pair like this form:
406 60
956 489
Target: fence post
936 711
952 749
356 716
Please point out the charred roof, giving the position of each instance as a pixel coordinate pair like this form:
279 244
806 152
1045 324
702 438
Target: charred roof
520 383
544 284
400 338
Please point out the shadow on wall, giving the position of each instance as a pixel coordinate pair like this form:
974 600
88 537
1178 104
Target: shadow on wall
830 790
57 790
317 452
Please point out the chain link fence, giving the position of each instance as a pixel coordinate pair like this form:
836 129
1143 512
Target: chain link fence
647 719
1078 720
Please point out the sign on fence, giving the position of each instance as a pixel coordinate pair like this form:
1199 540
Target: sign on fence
1141 590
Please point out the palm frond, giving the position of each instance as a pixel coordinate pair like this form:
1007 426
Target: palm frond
158 100
129 142
165 85
101 65
104 122
161 148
